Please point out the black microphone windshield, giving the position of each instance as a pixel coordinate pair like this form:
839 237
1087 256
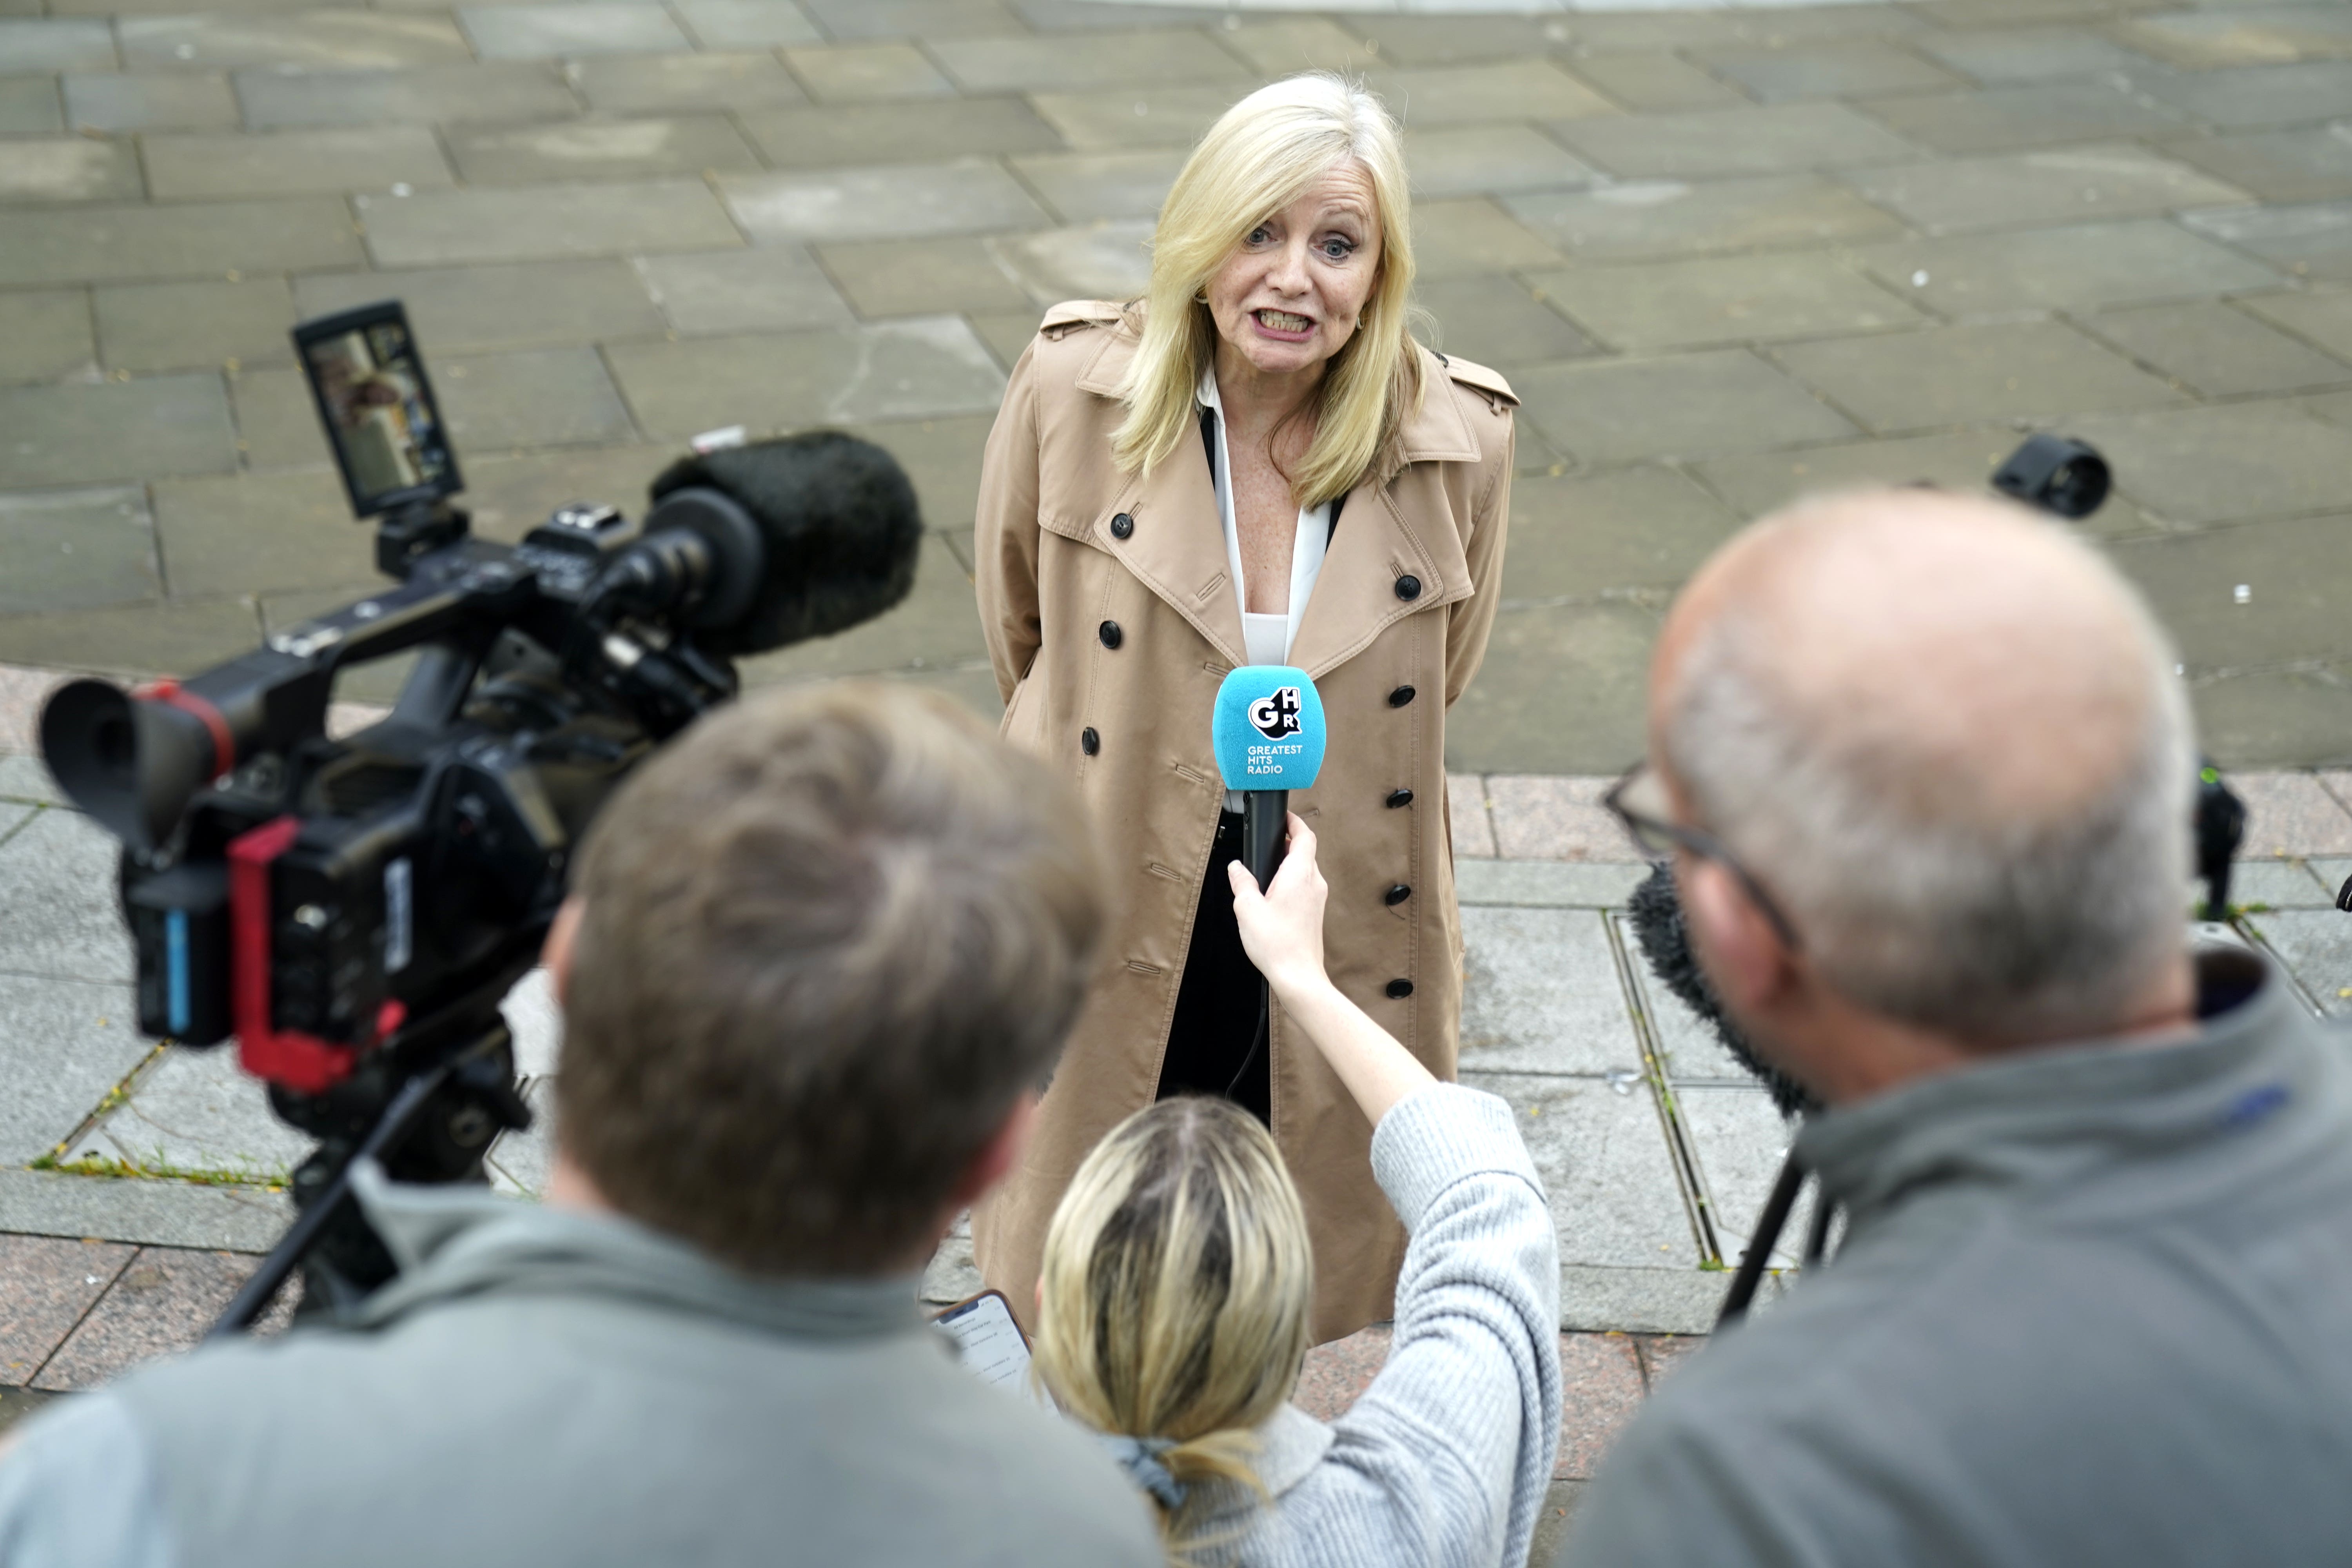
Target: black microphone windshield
840 527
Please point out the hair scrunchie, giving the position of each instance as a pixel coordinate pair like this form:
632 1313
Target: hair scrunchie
1139 1458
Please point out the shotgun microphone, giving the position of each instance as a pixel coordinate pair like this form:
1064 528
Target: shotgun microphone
1269 734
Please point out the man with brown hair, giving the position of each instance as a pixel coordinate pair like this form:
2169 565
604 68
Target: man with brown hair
822 952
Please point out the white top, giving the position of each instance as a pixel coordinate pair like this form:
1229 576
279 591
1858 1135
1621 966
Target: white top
1265 639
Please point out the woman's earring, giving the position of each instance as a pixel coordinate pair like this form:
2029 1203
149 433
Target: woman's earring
1202 298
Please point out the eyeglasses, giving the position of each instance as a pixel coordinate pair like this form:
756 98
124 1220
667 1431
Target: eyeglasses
1639 801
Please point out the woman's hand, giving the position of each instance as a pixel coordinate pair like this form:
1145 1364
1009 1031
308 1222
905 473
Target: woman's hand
1282 928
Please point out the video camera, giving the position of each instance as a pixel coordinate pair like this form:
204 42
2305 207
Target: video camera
353 908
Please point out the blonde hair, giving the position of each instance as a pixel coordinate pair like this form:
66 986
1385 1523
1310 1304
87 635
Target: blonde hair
1174 1298
1256 160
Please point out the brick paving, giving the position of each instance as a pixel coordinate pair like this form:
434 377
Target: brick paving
1725 256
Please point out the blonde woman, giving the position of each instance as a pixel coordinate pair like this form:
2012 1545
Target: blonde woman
1254 464
1173 1306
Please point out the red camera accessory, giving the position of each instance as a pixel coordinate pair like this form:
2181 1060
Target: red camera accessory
298 1058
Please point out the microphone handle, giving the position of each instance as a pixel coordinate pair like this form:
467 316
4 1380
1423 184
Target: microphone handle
1265 822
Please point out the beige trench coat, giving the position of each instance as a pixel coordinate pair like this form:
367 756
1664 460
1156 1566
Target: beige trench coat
1068 546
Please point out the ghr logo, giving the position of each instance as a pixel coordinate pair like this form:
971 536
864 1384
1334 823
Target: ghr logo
1277 715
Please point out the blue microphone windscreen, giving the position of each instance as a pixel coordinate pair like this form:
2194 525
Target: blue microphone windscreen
1269 729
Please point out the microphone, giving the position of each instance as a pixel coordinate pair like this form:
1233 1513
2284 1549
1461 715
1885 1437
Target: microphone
1269 732
761 546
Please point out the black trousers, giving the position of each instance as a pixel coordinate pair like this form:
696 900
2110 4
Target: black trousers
1210 1042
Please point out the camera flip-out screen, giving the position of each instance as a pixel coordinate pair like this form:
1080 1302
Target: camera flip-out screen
378 408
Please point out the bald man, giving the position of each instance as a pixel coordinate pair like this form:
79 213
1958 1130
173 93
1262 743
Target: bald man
1923 766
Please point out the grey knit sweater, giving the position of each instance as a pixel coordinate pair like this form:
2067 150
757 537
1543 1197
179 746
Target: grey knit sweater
1444 1461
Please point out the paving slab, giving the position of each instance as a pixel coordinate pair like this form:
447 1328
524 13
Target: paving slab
2084 267
895 201
2017 190
2000 56
1498 322
1541 995
1466 238
71 550
774 288
30 46
277 420
1740 1142
545 223
911 368
1600 1387
1305 43
1469 822
2277 165
1108 259
2316 946
194 1112
28 106
456 309
1644 218
1443 40
650 84
1640 1301
2283 718
44 333
1728 299
2242 35
450 94
2323 319
2292 813
1551 816
75 434
869 134
2027 115
1542 884
581 29
2313 240
906 19
50 1282
1652 82
2294 572
377 158
1689 1050
2029 370
1770 140
1624 410
510 493
2262 885
162 1304
69 1040
145 327
105 243
308 40
1601 1153
2254 96
1065 63
1468 94
2221 351
1476 160
251 532
746 23
862 73
598 150
1154 116
520 1162
531 397
916 277
177 1213
2224 463
1576 537
1526 715
1964 462
1855 68
69 169
1082 187
134 640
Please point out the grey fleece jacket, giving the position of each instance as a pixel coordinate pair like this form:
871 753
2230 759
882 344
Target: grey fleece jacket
1442 1463
546 1386
2095 1307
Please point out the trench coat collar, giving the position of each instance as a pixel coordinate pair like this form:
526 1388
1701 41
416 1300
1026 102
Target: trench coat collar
1177 547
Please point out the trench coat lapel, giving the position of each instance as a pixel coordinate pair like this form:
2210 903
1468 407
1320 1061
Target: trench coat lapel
1178 547
1355 599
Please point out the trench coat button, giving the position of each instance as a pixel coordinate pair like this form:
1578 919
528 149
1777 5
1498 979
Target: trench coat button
1399 989
1401 696
1408 587
1088 742
1397 895
1398 797
1121 526
1110 634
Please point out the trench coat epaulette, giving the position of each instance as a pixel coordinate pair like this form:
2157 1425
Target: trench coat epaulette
1490 384
1072 313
